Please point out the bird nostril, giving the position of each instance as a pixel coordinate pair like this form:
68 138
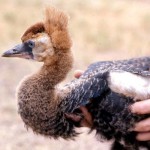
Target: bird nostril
14 50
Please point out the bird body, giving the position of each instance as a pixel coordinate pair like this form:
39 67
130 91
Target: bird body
127 77
113 86
106 88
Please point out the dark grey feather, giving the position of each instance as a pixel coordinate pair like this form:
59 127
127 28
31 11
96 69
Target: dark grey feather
110 111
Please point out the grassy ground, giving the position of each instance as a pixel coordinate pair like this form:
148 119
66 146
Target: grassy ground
100 29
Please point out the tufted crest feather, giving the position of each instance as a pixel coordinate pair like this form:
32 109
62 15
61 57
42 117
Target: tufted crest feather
32 31
56 22
55 26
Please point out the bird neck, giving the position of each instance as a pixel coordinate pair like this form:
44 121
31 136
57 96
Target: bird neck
41 86
55 70
38 98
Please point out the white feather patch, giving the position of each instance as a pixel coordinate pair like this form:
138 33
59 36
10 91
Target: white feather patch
44 39
132 85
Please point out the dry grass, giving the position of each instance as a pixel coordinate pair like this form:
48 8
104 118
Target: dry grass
101 29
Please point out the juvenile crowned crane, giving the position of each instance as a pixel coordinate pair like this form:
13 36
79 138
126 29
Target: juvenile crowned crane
106 89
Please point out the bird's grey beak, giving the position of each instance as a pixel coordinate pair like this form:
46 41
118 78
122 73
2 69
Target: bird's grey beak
20 50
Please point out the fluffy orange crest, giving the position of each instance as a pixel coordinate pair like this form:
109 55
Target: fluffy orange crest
56 22
32 31
55 26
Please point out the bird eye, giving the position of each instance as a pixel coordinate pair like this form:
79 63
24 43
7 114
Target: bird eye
31 44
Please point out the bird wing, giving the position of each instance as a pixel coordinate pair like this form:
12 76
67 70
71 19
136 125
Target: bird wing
93 82
84 89
139 66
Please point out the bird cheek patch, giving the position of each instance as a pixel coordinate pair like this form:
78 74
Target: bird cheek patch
48 52
39 58
42 56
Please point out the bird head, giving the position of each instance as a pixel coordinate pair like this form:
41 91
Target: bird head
44 40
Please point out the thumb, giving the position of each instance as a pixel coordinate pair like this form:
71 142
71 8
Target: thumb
78 73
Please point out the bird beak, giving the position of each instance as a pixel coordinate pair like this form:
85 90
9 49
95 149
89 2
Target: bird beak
20 50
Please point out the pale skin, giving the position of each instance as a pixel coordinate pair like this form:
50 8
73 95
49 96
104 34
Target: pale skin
143 127
141 107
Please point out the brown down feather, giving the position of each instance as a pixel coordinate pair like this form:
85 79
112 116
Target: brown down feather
55 25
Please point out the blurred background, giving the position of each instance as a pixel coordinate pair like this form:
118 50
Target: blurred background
100 30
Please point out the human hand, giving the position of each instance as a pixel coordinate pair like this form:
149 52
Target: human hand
142 127
87 119
142 107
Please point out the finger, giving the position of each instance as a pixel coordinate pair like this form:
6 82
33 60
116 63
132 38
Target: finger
143 136
142 126
73 117
84 123
78 73
142 107
87 115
